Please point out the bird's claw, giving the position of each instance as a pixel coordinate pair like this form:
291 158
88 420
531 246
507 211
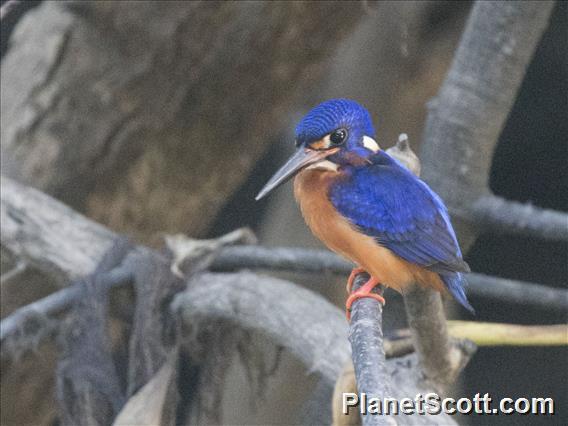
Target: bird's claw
351 279
364 291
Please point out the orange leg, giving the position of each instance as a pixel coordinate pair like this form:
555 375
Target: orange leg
363 291
351 278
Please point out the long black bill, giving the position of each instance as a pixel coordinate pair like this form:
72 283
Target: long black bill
302 158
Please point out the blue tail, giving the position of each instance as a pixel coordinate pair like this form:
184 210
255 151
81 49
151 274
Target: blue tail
455 284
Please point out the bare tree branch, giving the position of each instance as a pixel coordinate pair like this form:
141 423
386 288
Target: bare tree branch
76 74
368 354
237 298
317 261
316 331
8 7
466 117
441 362
462 127
31 322
504 216
88 387
49 234
46 233
312 336
519 293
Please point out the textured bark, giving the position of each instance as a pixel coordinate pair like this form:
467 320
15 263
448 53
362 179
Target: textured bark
462 128
314 330
466 117
313 327
88 387
44 232
368 352
503 216
294 318
439 358
147 115
29 215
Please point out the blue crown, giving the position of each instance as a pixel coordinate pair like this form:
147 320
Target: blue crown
331 115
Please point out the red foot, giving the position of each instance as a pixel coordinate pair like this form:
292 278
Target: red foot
363 291
351 278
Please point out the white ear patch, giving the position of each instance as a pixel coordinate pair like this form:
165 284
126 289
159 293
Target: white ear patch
370 144
323 165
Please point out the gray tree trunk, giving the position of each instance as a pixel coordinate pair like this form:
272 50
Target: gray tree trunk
147 115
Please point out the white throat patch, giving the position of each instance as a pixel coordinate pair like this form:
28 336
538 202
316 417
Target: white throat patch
323 165
370 144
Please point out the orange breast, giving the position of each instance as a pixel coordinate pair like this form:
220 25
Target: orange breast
311 188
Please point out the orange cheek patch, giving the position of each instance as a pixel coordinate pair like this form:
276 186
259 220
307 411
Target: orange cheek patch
321 144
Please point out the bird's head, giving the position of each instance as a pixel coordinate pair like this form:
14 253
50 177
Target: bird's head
335 134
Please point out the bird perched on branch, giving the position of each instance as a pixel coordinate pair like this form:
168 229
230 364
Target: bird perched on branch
367 207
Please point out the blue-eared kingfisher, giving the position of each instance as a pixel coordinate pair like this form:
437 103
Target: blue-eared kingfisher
365 206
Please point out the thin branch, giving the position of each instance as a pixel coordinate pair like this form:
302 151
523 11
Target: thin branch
7 8
317 261
28 322
496 334
518 293
504 216
281 259
51 236
316 331
439 359
20 267
462 127
368 354
297 319
314 327
466 117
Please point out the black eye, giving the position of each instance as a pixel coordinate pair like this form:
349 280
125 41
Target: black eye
338 136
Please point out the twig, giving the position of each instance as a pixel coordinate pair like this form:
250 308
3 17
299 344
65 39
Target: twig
366 337
506 216
62 242
462 127
518 293
269 305
439 359
20 267
494 334
49 234
466 117
316 332
88 387
8 7
28 319
301 260
317 261
281 259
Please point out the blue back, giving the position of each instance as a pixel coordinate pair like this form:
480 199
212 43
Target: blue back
387 202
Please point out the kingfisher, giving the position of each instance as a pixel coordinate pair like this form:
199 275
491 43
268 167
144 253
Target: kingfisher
365 206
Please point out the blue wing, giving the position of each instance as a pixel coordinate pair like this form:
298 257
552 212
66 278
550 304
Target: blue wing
402 213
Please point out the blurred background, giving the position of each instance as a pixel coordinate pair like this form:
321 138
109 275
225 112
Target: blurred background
166 117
